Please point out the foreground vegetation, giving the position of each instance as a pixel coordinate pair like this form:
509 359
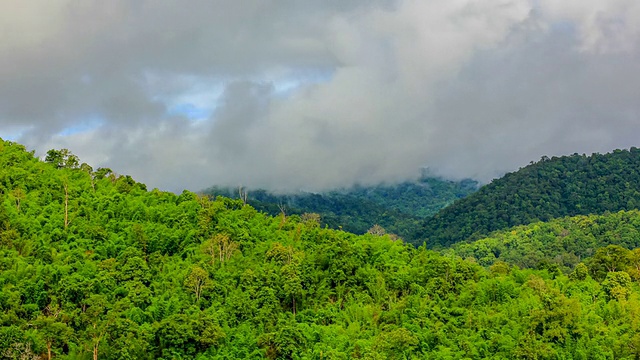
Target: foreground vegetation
94 266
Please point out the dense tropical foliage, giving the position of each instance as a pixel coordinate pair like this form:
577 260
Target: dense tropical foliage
95 266
551 188
560 244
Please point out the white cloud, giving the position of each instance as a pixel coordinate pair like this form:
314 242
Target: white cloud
318 94
603 26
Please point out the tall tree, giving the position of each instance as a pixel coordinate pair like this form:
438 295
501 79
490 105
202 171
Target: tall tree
62 158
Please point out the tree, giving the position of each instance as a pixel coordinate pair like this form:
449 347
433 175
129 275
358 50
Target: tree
18 195
140 238
97 317
66 204
219 247
62 158
292 286
243 194
611 258
617 285
311 219
197 280
634 264
377 230
283 212
580 272
53 332
101 173
20 351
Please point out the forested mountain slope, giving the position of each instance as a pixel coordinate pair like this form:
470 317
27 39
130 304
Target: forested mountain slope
397 208
561 243
550 188
94 266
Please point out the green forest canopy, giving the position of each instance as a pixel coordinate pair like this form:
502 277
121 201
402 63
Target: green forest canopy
551 188
559 244
92 265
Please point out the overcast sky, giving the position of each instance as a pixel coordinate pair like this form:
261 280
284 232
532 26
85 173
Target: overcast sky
311 95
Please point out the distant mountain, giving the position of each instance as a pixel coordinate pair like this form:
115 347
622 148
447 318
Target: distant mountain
397 208
551 188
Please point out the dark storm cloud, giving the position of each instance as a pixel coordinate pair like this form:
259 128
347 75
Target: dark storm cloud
308 94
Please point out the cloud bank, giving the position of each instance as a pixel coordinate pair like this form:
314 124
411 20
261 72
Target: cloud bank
313 95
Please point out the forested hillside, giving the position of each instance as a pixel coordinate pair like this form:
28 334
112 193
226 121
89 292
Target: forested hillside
94 266
561 244
551 188
398 208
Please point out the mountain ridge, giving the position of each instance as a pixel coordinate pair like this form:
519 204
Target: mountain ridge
397 208
550 188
